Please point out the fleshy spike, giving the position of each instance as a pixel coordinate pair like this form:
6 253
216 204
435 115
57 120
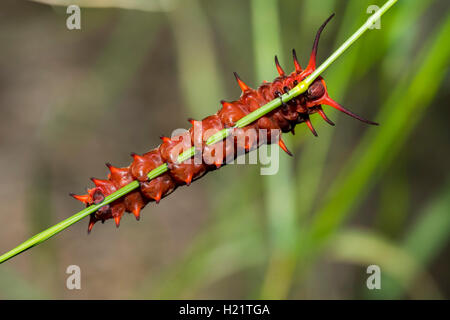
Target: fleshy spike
137 211
117 213
312 60
165 139
92 221
283 146
241 83
310 126
117 220
324 116
113 169
218 164
136 156
297 66
158 197
279 68
189 179
100 183
330 102
83 198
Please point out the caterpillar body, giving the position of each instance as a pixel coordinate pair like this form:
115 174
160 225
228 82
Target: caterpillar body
281 120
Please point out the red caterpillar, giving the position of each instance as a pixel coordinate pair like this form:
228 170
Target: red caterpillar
282 119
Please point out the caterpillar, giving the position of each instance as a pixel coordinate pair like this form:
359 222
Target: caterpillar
281 120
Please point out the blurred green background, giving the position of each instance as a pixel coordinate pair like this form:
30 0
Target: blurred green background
357 195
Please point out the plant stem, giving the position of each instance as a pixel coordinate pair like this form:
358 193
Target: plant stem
219 136
370 21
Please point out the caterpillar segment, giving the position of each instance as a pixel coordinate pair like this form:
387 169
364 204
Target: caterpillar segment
281 120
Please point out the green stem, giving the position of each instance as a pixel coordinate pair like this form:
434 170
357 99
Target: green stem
370 21
219 136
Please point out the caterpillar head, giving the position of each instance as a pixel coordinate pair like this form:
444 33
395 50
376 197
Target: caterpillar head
317 94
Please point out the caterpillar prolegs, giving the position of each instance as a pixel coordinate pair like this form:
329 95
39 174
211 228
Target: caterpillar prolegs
281 120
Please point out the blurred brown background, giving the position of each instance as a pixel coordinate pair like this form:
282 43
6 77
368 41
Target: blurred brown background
72 100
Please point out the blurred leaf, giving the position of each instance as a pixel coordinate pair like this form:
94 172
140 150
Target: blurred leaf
428 236
40 215
105 82
145 5
196 58
393 214
430 233
404 32
366 248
